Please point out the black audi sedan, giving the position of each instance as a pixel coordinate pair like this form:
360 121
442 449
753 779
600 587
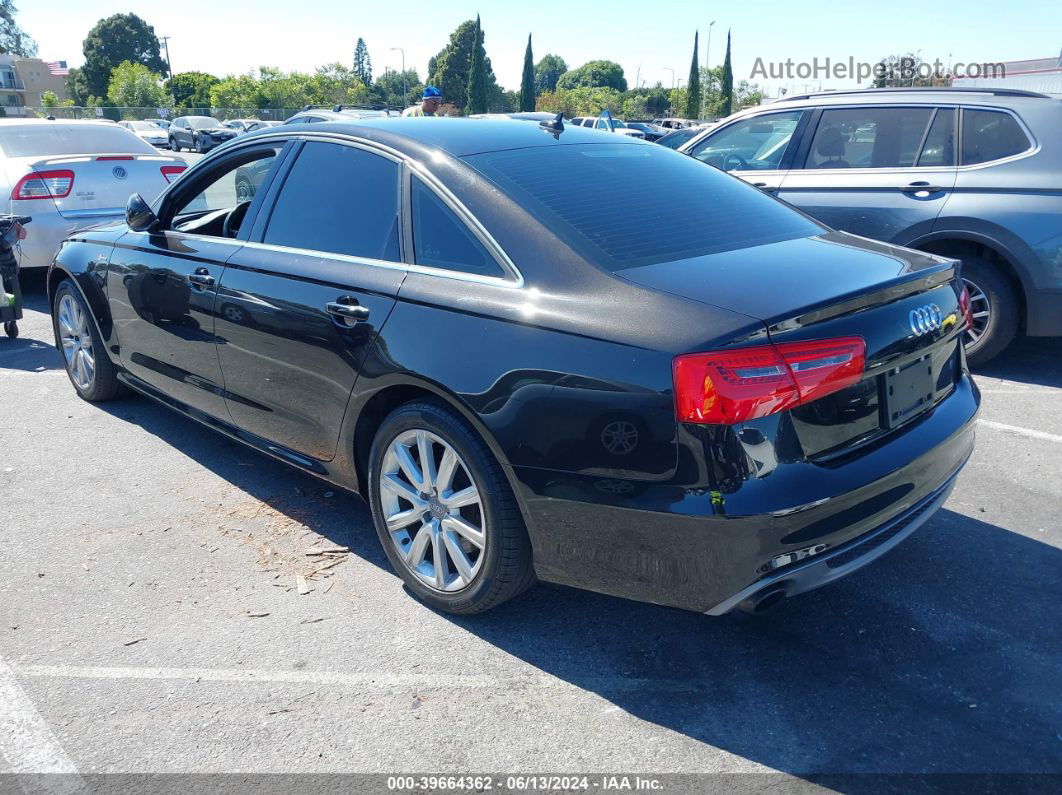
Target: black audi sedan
709 404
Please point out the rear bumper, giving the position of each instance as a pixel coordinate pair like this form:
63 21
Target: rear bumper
705 550
47 230
844 559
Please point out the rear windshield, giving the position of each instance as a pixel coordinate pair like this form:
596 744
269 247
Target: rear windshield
41 140
625 206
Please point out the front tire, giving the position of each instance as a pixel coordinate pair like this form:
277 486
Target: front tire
995 309
197 142
445 513
174 146
88 366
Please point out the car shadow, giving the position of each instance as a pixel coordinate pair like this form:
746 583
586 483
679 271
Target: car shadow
1029 360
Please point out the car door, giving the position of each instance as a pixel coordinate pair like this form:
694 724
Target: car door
758 149
180 130
161 284
880 171
300 306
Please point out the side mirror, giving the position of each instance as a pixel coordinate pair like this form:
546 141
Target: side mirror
138 214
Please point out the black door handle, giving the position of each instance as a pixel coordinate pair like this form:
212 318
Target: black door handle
348 311
921 187
201 277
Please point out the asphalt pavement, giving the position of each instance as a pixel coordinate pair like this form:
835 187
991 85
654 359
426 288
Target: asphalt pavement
151 620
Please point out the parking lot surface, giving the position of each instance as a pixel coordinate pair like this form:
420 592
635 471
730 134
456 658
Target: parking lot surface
151 620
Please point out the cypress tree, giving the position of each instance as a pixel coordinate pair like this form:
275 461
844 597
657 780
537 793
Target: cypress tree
693 85
727 87
527 85
477 75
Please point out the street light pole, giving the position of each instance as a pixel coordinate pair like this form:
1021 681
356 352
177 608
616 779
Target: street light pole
405 85
708 66
669 69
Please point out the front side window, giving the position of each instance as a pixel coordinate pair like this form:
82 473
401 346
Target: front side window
442 240
341 200
872 137
990 135
754 144
228 190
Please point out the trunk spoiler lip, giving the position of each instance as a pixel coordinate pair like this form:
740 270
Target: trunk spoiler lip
59 160
895 289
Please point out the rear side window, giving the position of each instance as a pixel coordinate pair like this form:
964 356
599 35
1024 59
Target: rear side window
872 137
990 135
41 140
939 148
340 200
624 205
441 240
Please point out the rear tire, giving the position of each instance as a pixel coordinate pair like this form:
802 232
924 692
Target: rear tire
88 366
503 565
991 292
174 146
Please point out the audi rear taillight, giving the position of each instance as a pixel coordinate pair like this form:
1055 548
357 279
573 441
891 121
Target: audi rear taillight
172 172
55 184
732 386
965 306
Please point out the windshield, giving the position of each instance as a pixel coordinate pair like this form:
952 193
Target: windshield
40 140
685 209
202 122
143 125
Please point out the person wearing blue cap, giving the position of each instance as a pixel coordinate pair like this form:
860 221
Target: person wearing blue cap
429 103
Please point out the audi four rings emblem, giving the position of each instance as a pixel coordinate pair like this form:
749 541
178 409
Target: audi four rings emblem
926 319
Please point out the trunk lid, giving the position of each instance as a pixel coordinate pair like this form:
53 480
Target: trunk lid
904 304
102 184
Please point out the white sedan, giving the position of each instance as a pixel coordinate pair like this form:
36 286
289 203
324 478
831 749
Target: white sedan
67 175
147 131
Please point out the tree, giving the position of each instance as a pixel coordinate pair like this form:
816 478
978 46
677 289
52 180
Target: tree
595 74
362 62
114 40
726 89
133 85
527 84
581 101
13 39
548 72
448 71
390 88
477 76
191 89
693 84
76 87
332 84
236 91
49 99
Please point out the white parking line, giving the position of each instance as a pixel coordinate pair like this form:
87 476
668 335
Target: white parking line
26 742
999 426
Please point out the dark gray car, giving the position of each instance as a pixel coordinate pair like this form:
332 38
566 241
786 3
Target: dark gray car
968 173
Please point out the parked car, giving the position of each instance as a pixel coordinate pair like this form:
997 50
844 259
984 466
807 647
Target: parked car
201 133
672 123
607 124
163 123
146 131
676 138
261 125
649 131
711 403
340 112
966 173
241 125
68 174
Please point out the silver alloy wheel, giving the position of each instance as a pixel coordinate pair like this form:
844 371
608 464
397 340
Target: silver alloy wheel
981 310
76 340
433 511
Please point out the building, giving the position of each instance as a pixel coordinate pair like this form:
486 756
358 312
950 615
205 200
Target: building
1036 74
24 80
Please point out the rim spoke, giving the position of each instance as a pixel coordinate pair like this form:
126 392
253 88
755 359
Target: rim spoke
463 528
64 322
419 547
400 488
447 467
457 555
427 460
438 556
88 365
409 466
981 314
69 346
460 499
403 519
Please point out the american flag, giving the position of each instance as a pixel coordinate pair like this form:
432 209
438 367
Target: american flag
58 68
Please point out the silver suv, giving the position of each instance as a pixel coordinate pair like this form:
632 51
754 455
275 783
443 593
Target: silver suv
974 174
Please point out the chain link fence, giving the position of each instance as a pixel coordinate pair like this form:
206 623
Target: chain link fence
139 114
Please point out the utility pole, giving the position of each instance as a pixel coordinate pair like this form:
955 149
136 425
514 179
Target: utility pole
166 44
405 85
708 66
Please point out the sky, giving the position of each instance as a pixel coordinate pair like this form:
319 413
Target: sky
647 39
